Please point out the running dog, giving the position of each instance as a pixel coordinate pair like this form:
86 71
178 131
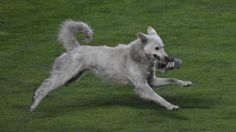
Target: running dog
125 64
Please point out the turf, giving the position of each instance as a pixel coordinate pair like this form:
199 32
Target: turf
200 32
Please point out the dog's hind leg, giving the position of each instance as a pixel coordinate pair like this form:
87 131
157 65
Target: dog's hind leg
76 77
61 74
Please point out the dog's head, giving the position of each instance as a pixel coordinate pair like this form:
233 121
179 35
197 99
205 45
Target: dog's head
153 46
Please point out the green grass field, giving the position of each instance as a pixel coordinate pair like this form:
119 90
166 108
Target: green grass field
201 32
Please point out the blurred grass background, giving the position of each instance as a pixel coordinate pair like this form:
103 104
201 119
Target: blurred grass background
201 32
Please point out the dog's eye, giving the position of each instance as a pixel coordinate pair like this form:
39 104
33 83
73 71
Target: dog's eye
157 48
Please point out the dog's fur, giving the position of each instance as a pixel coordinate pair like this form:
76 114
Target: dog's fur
133 63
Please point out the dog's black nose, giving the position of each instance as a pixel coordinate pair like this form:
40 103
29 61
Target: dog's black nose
167 59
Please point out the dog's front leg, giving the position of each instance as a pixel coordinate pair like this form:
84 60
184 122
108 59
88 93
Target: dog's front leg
147 93
158 82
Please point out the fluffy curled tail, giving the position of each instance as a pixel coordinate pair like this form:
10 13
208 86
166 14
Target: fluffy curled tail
68 31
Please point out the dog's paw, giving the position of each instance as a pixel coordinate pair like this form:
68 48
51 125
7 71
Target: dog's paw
186 83
32 109
173 108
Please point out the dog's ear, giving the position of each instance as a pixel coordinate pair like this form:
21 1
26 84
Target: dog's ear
151 31
142 37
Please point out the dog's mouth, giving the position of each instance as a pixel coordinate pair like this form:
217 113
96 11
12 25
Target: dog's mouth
156 57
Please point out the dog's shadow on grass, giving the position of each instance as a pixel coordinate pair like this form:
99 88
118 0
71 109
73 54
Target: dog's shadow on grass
137 103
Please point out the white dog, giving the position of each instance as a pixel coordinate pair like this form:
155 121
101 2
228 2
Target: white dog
133 63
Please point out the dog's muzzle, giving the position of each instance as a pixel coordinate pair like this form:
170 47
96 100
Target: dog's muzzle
165 59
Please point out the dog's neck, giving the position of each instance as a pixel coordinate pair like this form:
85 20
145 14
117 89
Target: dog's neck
138 55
